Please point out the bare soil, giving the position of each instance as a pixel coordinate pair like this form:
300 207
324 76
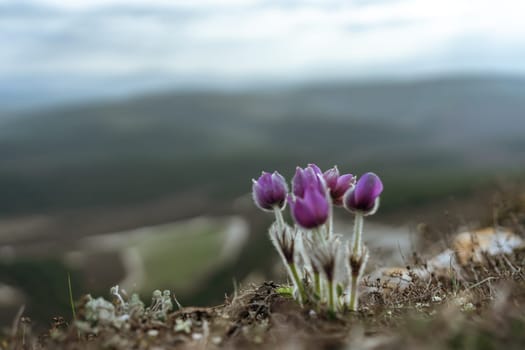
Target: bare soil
482 309
440 314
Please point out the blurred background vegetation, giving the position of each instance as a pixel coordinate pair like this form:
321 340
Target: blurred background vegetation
150 187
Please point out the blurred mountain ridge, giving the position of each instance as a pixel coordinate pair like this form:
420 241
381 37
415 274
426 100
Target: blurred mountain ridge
138 148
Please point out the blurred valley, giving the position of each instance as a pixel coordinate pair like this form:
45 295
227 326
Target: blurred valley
159 185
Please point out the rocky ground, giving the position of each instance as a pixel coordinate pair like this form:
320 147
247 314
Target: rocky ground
438 314
469 296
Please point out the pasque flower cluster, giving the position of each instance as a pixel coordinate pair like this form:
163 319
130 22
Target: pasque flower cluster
325 271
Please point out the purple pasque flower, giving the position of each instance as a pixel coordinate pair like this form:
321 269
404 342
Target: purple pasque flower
270 191
363 197
338 184
311 176
312 209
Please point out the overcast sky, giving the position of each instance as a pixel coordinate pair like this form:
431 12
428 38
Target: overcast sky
77 48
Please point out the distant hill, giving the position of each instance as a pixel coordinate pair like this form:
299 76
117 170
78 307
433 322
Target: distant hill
443 132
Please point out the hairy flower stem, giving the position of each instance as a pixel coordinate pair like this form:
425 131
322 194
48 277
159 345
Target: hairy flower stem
279 217
320 287
319 233
298 283
317 282
292 269
352 304
330 224
331 297
358 231
356 261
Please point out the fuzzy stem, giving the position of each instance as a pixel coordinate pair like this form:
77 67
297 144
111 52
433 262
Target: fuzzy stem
353 293
319 232
279 217
330 224
317 282
358 231
331 299
320 287
292 268
357 250
298 283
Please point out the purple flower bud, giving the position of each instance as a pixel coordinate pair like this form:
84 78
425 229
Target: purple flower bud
270 191
364 196
311 210
316 169
311 176
338 184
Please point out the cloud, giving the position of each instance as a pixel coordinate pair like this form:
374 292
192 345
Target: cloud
256 39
